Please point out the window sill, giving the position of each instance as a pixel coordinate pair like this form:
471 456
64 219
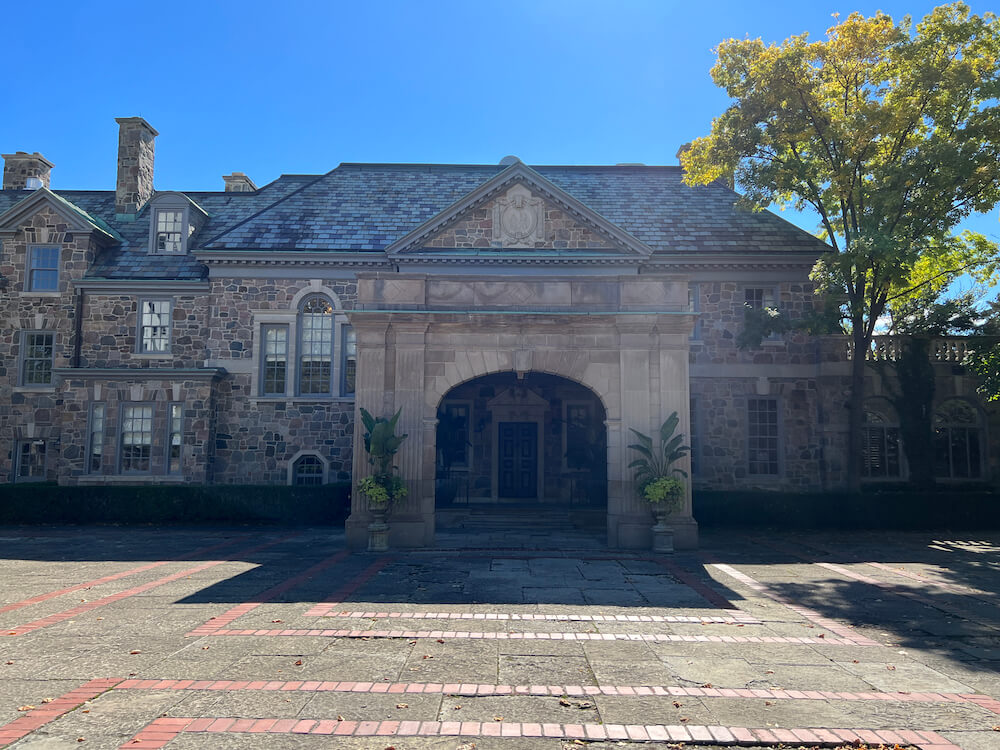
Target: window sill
46 295
153 355
34 389
131 479
301 399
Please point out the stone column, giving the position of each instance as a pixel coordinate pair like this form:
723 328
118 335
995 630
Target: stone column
412 521
675 396
369 393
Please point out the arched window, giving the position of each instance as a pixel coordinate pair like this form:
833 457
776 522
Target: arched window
315 347
307 470
881 457
957 441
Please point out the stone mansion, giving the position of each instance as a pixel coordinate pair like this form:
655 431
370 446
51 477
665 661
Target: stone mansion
522 318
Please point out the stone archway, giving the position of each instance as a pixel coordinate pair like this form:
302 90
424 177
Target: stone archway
413 348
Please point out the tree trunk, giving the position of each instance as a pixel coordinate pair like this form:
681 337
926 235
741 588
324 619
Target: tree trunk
916 388
856 408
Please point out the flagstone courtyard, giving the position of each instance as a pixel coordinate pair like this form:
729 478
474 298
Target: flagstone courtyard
280 638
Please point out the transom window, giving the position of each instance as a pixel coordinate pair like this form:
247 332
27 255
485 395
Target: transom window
957 441
316 347
881 449
136 438
307 470
43 269
169 231
36 361
762 434
154 326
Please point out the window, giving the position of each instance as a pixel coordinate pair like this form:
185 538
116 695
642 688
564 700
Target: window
881 459
957 450
307 470
274 360
762 434
43 269
316 347
30 461
580 436
175 437
694 305
95 439
348 360
760 298
154 326
169 232
36 361
136 439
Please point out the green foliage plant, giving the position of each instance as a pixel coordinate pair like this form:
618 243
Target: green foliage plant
655 473
381 444
890 132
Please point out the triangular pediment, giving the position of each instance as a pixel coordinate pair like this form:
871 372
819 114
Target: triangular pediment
76 218
519 211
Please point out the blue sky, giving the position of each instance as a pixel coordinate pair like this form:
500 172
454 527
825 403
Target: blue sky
269 88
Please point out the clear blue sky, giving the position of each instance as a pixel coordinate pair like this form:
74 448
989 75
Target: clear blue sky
273 87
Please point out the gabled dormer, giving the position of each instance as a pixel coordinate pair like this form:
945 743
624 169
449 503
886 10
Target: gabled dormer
173 218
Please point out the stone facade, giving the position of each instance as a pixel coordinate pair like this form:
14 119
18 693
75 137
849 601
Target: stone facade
520 308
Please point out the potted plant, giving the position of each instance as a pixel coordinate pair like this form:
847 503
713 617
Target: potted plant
657 479
383 487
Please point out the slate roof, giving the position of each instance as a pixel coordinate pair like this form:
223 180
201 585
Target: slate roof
366 207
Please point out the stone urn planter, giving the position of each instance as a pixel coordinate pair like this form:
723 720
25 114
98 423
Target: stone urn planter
663 535
657 480
378 529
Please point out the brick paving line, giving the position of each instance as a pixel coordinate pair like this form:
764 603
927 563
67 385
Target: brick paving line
48 712
337 597
703 589
845 632
883 585
527 635
474 689
117 576
162 730
550 617
215 624
88 606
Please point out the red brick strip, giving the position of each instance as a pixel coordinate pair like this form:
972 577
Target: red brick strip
215 624
163 730
116 576
557 617
88 606
338 596
468 689
504 636
706 592
39 717
848 634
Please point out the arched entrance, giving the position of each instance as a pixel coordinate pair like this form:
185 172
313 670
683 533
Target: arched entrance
521 442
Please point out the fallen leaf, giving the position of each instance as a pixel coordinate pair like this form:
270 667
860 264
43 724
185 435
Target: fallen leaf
821 635
684 718
298 662
890 667
428 656
25 708
340 718
564 702
87 711
768 703
47 700
9 663
440 640
707 685
80 739
205 648
402 705
135 651
497 718
277 620
769 671
677 704
455 708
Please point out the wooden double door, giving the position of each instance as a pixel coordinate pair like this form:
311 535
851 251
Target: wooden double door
517 470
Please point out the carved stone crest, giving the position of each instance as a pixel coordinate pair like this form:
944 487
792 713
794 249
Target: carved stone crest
518 218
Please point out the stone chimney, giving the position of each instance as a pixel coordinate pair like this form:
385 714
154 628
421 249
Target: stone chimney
238 182
21 167
135 165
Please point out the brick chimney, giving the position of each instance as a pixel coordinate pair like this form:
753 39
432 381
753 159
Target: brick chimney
238 182
20 167
135 165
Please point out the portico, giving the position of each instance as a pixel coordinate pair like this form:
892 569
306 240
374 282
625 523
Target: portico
624 338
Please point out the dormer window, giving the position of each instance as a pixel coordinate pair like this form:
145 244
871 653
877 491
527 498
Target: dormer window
170 233
173 219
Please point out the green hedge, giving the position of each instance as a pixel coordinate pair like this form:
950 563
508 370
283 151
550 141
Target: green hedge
49 503
886 508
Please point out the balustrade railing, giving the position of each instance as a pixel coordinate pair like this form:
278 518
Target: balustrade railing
889 348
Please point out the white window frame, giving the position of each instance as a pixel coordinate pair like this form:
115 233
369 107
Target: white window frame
173 406
770 295
18 479
22 362
303 454
124 407
96 437
174 203
263 354
779 439
31 269
980 432
140 325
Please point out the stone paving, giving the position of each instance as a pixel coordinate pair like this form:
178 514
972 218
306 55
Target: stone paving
500 638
